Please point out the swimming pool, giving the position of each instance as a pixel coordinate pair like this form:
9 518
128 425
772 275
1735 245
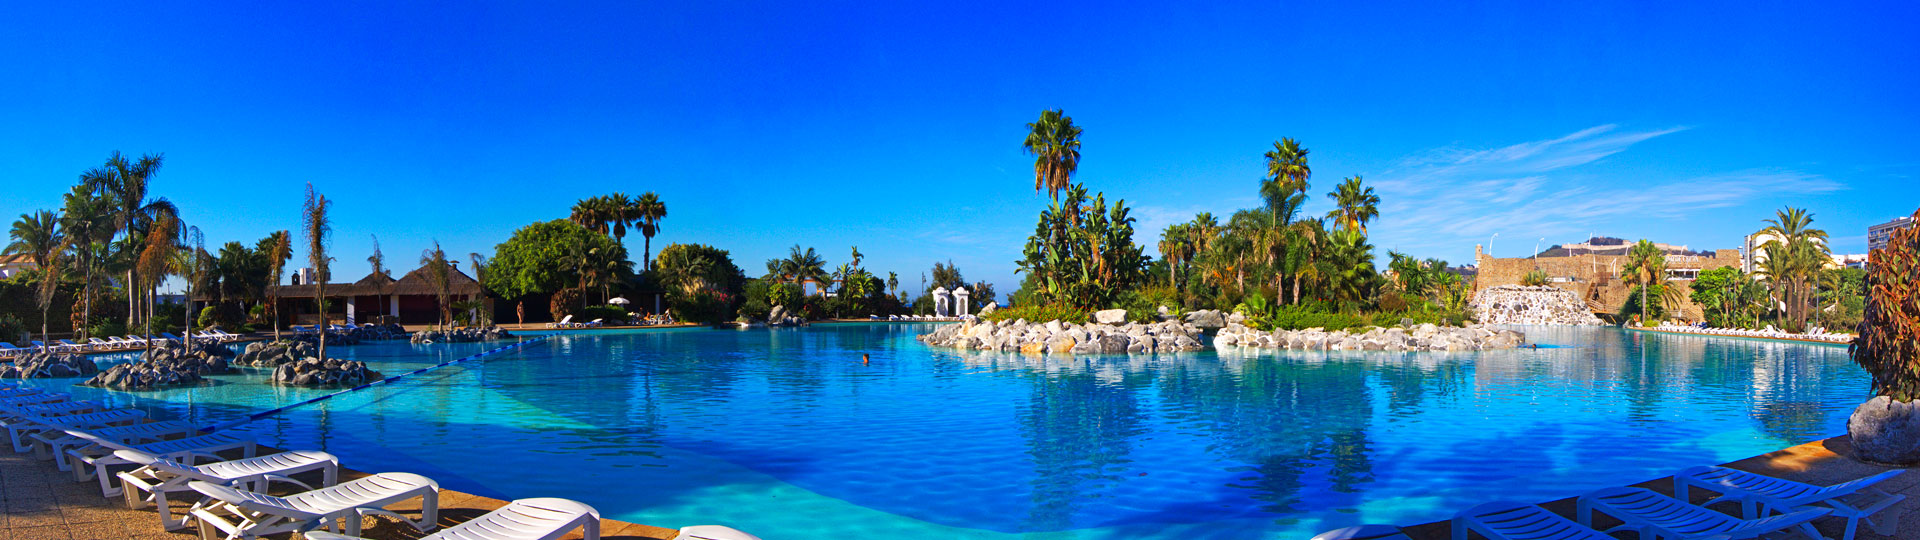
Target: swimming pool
784 433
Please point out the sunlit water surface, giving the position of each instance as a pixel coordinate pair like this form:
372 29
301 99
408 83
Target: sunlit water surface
784 433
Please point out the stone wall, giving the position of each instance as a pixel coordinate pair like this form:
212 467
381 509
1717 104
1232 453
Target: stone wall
1595 278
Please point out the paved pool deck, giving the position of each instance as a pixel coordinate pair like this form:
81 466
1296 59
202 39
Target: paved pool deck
44 503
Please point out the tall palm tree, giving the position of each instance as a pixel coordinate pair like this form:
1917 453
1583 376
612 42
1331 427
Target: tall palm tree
647 213
193 264
88 222
1646 267
155 262
592 213
35 235
279 251
439 276
618 212
123 183
1285 187
314 214
1805 251
481 265
1054 142
1173 244
1355 205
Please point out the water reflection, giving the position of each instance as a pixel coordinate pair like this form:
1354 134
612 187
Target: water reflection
1016 443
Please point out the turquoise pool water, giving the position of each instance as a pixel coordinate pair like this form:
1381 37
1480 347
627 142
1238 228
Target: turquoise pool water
786 434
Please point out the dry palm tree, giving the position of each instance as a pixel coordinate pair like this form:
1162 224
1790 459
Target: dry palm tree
1054 142
193 264
480 266
162 246
1355 205
647 213
319 228
439 276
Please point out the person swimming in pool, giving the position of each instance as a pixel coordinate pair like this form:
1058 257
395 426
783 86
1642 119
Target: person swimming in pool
863 359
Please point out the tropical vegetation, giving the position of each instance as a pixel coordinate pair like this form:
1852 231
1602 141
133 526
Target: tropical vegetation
1888 338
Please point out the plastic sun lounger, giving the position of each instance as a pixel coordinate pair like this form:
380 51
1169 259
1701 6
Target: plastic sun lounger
20 432
97 344
1363 532
158 476
66 445
68 344
1759 495
1507 520
1648 512
524 519
562 323
241 514
92 467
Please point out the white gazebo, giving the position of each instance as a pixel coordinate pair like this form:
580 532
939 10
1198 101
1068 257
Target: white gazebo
960 301
942 303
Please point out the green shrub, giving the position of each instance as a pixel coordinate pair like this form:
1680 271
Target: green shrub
702 307
1301 317
1063 314
1888 342
208 317
1534 278
103 327
608 313
12 329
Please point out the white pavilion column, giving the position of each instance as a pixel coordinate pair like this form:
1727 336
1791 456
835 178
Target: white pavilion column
350 310
960 301
393 306
942 303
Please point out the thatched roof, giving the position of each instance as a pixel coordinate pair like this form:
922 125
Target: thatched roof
414 283
419 282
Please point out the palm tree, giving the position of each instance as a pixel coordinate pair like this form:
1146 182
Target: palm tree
1054 142
480 266
1356 205
88 222
35 235
647 213
1173 245
591 213
124 184
1805 251
618 213
318 228
155 260
1285 187
279 251
435 261
1646 267
800 267
192 264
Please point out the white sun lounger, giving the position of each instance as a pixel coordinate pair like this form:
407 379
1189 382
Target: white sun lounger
235 514
1760 495
1653 514
524 519
56 445
19 432
1363 532
7 350
92 466
69 345
1507 520
158 476
562 323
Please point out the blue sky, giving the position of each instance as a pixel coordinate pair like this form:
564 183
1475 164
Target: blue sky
896 127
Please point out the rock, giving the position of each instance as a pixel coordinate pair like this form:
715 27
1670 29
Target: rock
1420 337
462 335
1885 431
169 366
329 372
45 364
1516 304
984 310
1110 316
779 313
1207 318
1056 337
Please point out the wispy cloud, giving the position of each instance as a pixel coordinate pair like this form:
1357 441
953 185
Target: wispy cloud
1452 197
